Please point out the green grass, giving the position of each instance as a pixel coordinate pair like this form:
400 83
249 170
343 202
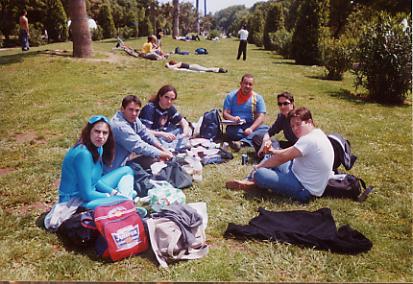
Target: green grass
46 99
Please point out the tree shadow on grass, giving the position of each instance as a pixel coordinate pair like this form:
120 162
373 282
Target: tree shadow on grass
344 94
360 98
285 61
261 194
18 58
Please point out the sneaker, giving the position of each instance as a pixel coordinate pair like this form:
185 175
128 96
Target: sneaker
240 184
235 145
222 70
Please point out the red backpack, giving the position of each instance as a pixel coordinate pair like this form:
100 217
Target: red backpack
121 229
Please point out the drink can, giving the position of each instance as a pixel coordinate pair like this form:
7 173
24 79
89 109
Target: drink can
244 159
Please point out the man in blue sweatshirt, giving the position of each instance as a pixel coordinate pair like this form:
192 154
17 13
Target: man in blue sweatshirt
133 140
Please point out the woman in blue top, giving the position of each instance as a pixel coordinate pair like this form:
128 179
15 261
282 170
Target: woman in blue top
82 168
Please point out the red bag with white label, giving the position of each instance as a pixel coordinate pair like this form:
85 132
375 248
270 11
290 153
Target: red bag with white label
121 229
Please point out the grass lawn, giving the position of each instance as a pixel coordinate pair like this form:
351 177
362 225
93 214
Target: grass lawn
46 99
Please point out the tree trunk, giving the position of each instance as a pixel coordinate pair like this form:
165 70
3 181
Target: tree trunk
82 42
197 18
175 32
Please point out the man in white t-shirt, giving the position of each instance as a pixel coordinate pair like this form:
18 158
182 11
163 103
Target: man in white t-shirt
242 48
300 171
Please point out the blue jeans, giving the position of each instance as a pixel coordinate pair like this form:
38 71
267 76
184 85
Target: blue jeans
282 180
24 37
236 133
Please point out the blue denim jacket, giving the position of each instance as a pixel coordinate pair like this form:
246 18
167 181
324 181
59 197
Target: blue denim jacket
131 137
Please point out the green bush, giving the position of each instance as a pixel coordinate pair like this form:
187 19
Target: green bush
105 20
126 32
56 21
281 42
213 34
308 32
255 27
35 38
97 34
385 60
337 58
274 21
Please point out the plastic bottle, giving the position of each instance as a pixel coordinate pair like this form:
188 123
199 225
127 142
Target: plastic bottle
195 163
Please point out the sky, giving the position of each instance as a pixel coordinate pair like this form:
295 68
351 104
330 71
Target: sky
216 5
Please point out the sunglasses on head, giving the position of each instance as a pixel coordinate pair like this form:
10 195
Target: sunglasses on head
284 104
97 118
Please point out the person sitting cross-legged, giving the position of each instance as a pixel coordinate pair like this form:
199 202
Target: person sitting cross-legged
300 171
285 102
82 169
134 142
164 121
244 105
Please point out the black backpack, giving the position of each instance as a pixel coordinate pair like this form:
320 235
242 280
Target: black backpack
79 230
342 152
347 186
175 175
211 127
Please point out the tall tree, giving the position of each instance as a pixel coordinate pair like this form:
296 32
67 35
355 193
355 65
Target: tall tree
307 36
197 17
82 42
105 20
175 31
56 21
274 21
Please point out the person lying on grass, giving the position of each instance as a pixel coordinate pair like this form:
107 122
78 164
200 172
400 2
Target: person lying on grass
193 67
300 171
285 103
162 118
82 170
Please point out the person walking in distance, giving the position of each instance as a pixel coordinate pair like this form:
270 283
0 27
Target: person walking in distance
24 30
242 48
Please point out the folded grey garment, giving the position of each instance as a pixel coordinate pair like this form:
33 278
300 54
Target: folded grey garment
167 240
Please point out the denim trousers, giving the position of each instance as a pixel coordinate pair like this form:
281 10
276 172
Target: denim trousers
24 37
281 180
236 133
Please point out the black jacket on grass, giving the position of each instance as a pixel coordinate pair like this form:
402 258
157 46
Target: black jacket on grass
312 229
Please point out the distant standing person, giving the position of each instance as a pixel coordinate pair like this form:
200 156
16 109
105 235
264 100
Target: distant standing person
242 48
24 30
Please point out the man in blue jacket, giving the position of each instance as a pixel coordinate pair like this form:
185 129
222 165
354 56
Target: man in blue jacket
133 140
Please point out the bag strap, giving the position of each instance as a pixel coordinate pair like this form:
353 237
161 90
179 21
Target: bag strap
361 181
221 127
254 104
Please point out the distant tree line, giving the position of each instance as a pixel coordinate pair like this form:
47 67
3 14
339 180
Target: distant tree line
372 38
125 18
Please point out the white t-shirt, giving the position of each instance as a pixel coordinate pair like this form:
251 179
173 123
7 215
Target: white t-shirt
243 34
314 167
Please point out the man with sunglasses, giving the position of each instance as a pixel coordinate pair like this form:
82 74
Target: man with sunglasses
133 140
244 105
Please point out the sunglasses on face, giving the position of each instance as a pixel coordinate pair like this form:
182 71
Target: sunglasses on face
97 118
284 104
